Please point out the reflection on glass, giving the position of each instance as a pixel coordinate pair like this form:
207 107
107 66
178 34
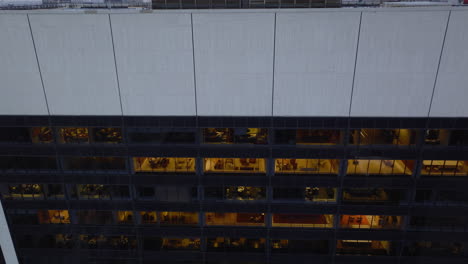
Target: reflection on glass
235 135
148 217
365 247
179 218
107 135
307 136
302 220
371 221
393 167
181 244
235 219
445 168
372 195
163 164
93 217
236 244
125 217
94 163
238 165
441 223
434 248
307 194
74 135
299 246
306 166
54 217
368 136
161 135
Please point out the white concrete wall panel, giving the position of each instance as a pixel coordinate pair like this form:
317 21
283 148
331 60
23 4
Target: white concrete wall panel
155 63
21 90
314 63
397 62
234 63
451 92
77 63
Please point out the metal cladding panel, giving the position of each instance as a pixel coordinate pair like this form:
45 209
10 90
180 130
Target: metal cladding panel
397 61
155 63
20 87
77 63
234 63
451 92
314 63
6 243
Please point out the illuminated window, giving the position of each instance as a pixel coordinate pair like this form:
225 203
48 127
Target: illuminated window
181 244
373 195
235 219
306 166
74 135
365 247
235 135
162 164
368 136
54 217
148 217
42 135
237 165
389 167
107 135
371 221
23 191
444 168
178 218
235 244
445 137
302 220
125 217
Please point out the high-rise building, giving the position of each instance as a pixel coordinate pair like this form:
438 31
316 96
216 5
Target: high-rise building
233 136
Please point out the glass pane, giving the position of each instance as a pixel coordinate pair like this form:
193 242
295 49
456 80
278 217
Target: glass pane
74 135
235 219
163 164
107 135
306 166
302 220
239 165
395 167
444 168
371 221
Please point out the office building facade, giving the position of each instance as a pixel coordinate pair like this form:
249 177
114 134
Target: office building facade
234 136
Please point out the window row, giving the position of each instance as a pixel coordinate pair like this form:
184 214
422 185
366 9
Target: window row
241 244
145 135
184 193
210 219
237 165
